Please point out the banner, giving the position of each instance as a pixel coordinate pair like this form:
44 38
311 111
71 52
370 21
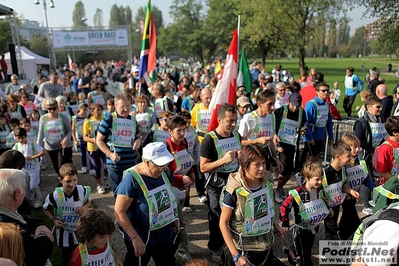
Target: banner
116 37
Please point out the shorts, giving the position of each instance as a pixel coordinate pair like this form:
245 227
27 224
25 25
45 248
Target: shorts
314 150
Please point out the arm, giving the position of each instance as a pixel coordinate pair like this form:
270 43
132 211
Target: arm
207 166
67 131
122 203
349 191
40 134
362 136
310 116
360 83
89 99
330 129
224 228
104 148
74 130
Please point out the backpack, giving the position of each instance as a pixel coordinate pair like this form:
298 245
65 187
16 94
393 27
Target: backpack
389 213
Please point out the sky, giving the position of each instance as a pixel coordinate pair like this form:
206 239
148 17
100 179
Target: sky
61 15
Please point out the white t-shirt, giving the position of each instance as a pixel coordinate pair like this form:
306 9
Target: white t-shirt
280 101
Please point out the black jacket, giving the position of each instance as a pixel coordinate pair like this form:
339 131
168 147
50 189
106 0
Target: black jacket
38 250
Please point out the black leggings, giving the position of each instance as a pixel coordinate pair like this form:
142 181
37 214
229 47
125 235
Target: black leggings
348 102
59 157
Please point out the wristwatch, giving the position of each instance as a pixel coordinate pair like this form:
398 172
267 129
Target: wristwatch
236 257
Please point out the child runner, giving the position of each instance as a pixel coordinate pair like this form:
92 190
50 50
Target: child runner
95 154
355 175
25 123
34 121
32 151
77 134
93 233
65 206
14 123
386 163
334 186
309 209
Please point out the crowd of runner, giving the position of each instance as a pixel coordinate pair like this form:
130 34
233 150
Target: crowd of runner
150 144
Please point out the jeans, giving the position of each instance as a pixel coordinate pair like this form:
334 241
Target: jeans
115 176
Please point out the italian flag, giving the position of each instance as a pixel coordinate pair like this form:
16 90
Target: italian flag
244 76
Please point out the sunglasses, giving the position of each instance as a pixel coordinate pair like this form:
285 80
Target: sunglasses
377 106
323 90
52 108
161 168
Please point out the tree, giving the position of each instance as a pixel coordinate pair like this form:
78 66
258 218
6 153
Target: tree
184 34
120 15
158 18
380 8
98 18
332 34
388 40
357 43
39 45
5 35
343 31
78 15
114 16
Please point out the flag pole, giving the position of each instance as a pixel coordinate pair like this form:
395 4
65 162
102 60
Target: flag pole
238 31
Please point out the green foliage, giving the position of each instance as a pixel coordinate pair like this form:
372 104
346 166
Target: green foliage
120 15
39 45
380 8
387 43
5 36
98 18
200 32
78 15
357 44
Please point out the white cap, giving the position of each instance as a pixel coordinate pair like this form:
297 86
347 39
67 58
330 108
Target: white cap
157 153
135 69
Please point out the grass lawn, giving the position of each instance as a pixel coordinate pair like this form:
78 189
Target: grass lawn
334 70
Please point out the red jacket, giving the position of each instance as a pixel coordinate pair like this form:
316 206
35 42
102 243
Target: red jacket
174 148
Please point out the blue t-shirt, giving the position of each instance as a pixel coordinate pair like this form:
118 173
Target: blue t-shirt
138 210
128 155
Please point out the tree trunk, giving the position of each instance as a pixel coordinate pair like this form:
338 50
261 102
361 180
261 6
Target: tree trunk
302 64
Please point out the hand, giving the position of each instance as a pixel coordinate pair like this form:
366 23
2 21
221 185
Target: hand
355 194
280 165
58 223
28 157
357 108
43 231
331 213
137 143
228 157
82 210
175 226
279 230
311 142
114 157
138 245
187 181
263 140
76 143
64 143
242 261
285 229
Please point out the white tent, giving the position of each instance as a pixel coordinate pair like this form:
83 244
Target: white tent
30 60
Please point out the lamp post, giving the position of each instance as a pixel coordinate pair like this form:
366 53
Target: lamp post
51 5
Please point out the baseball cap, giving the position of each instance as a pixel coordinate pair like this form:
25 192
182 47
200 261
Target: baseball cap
157 153
243 101
296 99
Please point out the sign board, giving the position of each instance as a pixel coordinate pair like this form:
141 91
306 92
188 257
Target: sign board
115 37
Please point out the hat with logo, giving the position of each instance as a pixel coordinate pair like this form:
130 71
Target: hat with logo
157 153
243 101
296 99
